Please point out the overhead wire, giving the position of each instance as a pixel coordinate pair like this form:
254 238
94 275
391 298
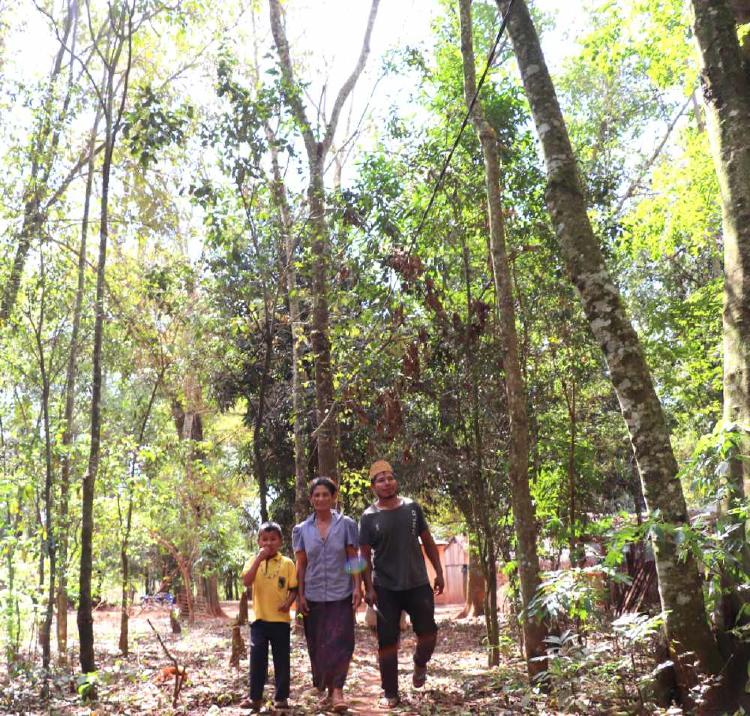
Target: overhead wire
490 59
467 116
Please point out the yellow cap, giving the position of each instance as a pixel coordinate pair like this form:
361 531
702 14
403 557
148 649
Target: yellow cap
379 466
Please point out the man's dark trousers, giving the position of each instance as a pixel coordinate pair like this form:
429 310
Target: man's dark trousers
419 604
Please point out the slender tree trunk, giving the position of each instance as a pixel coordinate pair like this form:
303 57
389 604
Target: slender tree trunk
123 643
679 581
297 332
85 617
189 425
726 88
482 508
112 118
321 345
478 503
209 585
259 422
49 542
184 565
43 151
475 587
70 396
9 602
523 508
326 432
492 623
570 400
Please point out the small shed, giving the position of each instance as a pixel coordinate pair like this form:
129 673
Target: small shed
454 559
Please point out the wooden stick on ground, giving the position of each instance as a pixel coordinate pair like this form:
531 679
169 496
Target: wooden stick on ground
179 672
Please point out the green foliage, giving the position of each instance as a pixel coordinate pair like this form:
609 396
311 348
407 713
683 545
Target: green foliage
637 628
152 125
574 594
86 686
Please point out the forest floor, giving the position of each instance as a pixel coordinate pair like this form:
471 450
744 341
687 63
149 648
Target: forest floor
458 680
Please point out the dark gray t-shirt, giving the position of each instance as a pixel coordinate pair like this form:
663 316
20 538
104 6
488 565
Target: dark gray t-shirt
393 536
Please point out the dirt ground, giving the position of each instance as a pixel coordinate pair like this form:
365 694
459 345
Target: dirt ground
458 681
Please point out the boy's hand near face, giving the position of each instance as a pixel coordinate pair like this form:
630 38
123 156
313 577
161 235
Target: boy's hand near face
266 553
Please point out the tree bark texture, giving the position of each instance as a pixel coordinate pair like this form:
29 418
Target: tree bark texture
85 617
569 391
184 564
69 410
726 89
680 585
123 643
326 432
49 542
297 331
518 448
321 346
112 116
475 587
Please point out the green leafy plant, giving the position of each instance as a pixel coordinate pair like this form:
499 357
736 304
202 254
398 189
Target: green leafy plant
86 685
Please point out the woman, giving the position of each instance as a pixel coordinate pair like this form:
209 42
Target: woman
325 546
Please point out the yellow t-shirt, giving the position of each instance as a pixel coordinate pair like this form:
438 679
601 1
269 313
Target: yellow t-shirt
273 580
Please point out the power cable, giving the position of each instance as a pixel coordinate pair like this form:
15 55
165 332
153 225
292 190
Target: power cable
465 121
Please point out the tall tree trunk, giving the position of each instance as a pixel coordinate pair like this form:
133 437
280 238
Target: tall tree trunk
475 586
9 603
123 643
184 564
70 397
726 88
326 432
481 506
49 541
523 508
189 424
680 585
321 346
85 618
259 422
112 117
187 414
569 391
209 586
297 331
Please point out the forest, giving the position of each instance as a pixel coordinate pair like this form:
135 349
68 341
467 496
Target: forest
502 244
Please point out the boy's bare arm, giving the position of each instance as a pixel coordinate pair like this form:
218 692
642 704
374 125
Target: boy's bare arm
287 603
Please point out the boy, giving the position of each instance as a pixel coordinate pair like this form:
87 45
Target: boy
275 588
390 531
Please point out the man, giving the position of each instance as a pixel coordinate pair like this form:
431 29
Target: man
396 579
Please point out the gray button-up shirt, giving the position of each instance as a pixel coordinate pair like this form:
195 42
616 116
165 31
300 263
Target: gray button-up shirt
326 576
